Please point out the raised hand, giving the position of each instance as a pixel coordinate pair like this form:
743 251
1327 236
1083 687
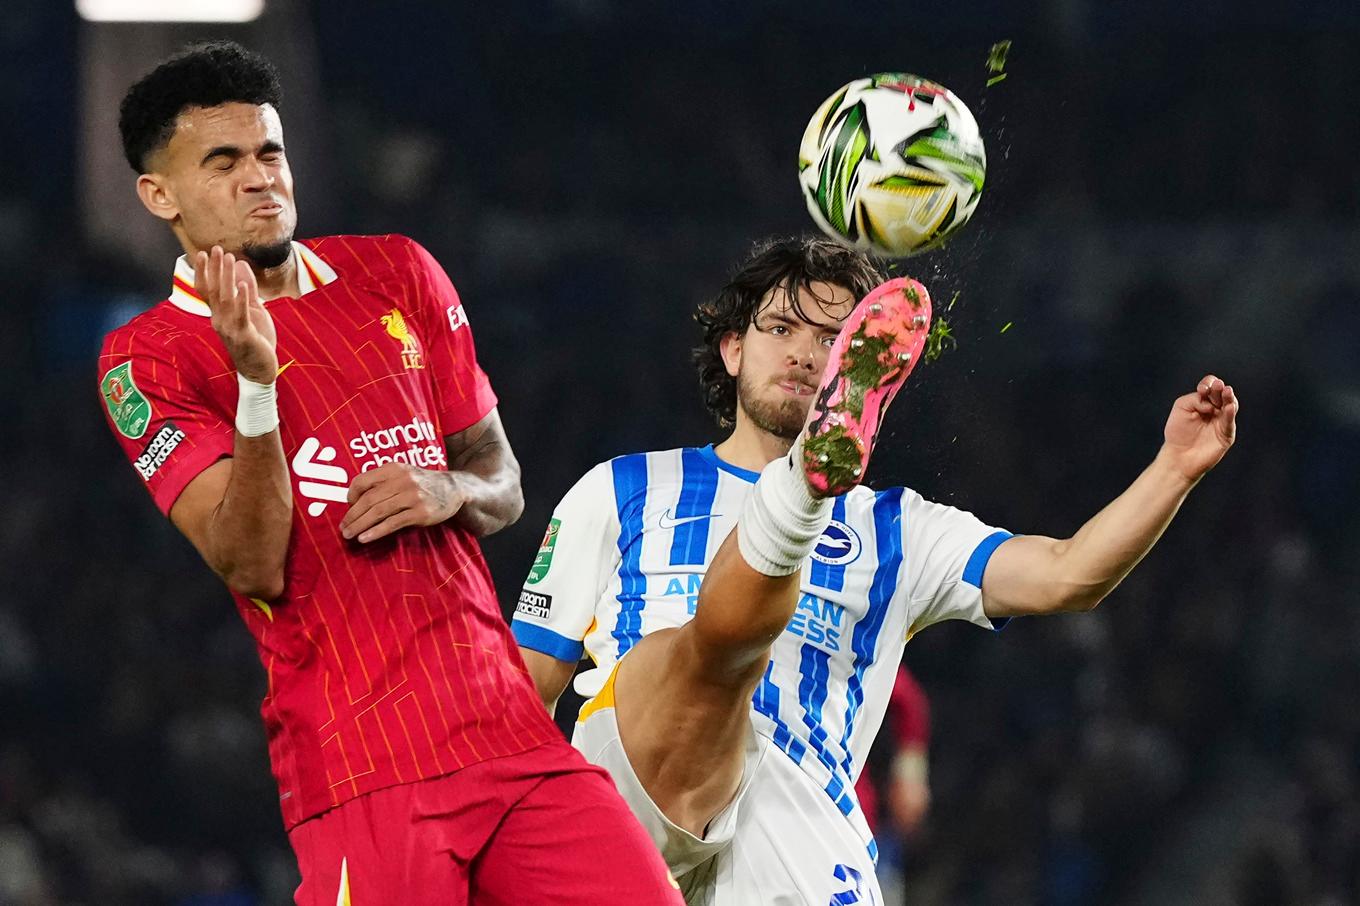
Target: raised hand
239 317
1201 427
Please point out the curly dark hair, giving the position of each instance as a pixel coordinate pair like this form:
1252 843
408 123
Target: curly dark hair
793 263
200 75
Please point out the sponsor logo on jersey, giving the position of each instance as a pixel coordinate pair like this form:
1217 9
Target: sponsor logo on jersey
667 520
818 621
533 604
130 411
415 443
457 318
321 483
395 323
838 545
158 450
689 590
543 559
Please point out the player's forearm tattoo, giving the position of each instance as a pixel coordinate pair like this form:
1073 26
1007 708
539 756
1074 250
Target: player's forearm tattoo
487 447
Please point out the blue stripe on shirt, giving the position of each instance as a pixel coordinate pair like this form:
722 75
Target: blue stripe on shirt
864 643
815 669
538 638
630 497
827 575
698 486
766 702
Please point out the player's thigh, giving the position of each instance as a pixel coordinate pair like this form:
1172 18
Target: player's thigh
571 841
685 732
367 851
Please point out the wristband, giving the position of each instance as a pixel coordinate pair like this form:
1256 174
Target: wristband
911 766
257 409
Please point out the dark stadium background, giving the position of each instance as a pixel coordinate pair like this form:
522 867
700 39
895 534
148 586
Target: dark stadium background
1172 189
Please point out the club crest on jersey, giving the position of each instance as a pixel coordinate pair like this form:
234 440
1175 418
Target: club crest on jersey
395 323
838 545
130 411
543 559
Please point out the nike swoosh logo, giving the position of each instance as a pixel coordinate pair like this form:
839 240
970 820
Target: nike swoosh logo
284 367
668 521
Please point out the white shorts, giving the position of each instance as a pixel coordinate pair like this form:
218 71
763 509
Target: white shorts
781 841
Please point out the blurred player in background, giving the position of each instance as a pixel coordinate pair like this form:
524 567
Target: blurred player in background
898 797
894 784
741 676
311 415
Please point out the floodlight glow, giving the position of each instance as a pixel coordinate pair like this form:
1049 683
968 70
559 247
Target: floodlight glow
169 10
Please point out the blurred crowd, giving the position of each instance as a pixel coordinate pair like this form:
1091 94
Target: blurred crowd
1161 203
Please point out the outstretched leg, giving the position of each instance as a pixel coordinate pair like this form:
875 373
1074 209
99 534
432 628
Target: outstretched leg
683 696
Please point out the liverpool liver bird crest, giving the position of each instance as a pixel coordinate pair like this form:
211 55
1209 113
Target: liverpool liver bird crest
396 328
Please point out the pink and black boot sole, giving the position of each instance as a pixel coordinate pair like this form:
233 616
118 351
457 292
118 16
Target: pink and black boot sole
877 348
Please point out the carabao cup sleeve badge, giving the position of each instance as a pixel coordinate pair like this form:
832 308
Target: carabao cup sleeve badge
543 559
129 409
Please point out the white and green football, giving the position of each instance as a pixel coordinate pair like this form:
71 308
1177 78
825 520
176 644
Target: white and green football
892 164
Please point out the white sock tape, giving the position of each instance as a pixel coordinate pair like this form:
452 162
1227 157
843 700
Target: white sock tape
781 521
257 407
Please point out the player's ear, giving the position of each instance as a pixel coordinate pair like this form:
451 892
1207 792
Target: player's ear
157 196
729 347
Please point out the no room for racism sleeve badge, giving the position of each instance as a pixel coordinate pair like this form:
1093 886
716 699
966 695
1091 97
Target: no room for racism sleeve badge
130 411
543 559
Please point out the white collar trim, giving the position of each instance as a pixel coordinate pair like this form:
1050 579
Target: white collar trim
312 273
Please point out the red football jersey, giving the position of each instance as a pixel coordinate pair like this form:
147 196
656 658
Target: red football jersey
388 662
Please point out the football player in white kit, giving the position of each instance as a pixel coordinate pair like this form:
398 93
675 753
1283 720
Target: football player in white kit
740 677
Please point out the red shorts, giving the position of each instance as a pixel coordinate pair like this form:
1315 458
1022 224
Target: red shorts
543 826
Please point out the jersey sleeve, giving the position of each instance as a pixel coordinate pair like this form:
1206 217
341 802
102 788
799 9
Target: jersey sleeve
947 551
169 430
463 394
574 564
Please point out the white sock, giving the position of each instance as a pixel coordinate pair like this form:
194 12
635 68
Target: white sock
781 522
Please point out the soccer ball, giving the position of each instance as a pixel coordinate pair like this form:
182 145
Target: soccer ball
892 164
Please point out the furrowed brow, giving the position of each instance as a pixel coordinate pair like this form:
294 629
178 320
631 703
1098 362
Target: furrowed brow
222 151
233 152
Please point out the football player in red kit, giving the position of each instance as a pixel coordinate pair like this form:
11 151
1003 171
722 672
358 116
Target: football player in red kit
311 415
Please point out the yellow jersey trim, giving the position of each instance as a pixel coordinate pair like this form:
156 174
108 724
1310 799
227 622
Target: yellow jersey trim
602 701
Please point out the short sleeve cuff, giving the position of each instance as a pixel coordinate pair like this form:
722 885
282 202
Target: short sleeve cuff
976 566
470 410
173 483
537 638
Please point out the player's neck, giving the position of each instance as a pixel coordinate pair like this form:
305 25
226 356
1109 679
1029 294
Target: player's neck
748 447
279 281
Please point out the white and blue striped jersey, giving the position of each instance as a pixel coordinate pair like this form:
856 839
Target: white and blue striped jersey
627 549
